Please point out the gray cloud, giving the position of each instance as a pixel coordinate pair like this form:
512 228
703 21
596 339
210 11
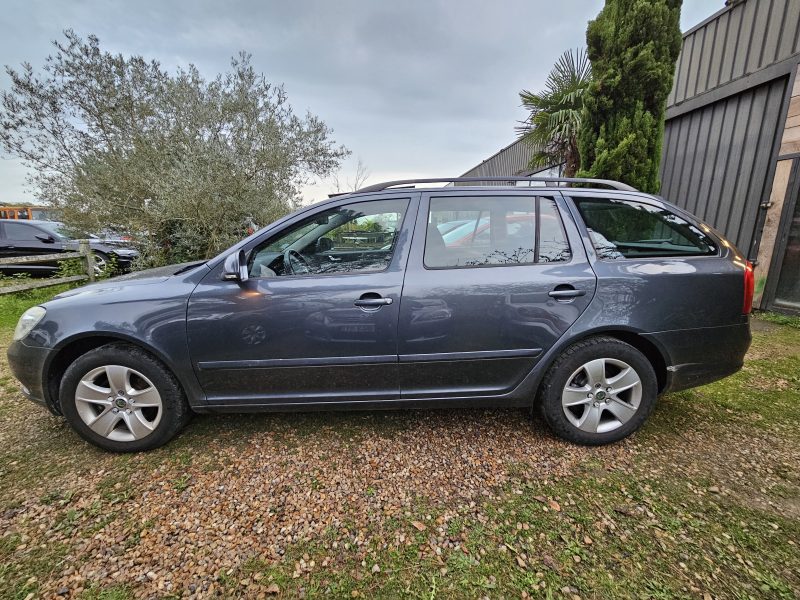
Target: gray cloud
415 87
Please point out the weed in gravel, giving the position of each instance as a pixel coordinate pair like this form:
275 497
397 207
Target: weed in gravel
115 592
182 482
115 488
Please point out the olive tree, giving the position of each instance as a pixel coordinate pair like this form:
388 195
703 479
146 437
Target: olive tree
184 163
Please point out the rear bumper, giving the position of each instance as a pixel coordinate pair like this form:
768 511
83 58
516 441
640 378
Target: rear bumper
699 356
27 365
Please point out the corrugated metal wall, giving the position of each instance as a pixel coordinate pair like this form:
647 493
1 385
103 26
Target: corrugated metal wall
511 160
716 159
724 113
749 36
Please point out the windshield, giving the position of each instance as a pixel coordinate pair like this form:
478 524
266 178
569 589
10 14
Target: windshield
61 232
57 230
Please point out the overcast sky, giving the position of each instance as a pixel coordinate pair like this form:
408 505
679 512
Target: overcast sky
414 88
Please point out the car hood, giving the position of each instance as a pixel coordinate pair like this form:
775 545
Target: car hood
146 277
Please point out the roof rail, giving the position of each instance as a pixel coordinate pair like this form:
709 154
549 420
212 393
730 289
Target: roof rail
547 180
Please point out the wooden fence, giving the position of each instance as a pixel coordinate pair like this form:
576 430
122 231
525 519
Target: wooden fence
84 252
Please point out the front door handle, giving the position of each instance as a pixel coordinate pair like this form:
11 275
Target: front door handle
372 302
562 294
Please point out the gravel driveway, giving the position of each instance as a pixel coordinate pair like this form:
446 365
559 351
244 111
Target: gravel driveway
413 503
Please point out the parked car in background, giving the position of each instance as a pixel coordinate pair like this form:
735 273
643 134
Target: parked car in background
532 312
29 237
448 226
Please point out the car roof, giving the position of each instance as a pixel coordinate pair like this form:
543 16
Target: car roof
31 221
599 187
529 178
449 190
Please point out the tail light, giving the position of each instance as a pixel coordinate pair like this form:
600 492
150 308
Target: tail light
749 288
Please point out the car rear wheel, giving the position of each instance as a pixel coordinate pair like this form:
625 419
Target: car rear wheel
122 399
598 391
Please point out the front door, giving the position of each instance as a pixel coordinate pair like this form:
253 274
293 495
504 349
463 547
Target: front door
493 280
317 319
20 238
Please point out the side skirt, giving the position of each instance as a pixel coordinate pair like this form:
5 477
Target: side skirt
389 404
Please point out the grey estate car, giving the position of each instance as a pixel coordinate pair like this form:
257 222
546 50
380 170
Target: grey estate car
585 303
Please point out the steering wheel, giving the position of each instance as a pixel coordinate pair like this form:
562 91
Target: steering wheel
295 263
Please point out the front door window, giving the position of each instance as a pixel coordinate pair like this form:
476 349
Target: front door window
355 238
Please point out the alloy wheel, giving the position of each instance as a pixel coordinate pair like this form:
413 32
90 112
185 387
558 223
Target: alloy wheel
100 264
602 395
118 403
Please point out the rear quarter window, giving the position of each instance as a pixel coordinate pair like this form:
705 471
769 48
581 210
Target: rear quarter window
622 229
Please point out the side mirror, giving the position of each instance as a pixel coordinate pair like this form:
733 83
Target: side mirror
235 267
47 239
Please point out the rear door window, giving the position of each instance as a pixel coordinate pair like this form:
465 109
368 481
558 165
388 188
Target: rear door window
622 229
483 231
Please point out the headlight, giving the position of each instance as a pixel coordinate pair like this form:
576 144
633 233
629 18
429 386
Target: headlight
28 321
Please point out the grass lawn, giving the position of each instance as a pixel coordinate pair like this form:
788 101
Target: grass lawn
703 503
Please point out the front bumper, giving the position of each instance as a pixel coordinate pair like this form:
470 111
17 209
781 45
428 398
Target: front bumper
27 364
123 262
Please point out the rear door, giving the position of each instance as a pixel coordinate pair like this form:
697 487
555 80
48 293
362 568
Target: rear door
484 300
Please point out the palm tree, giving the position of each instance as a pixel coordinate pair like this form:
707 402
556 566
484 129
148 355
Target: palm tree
552 127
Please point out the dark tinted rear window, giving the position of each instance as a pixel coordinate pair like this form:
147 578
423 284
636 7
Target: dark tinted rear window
21 231
629 229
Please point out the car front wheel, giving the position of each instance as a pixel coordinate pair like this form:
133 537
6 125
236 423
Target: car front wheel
600 390
121 398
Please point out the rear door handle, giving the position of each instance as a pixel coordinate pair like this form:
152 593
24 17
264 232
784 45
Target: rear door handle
372 302
564 294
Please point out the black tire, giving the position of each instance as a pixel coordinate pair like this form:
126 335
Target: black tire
578 354
175 411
